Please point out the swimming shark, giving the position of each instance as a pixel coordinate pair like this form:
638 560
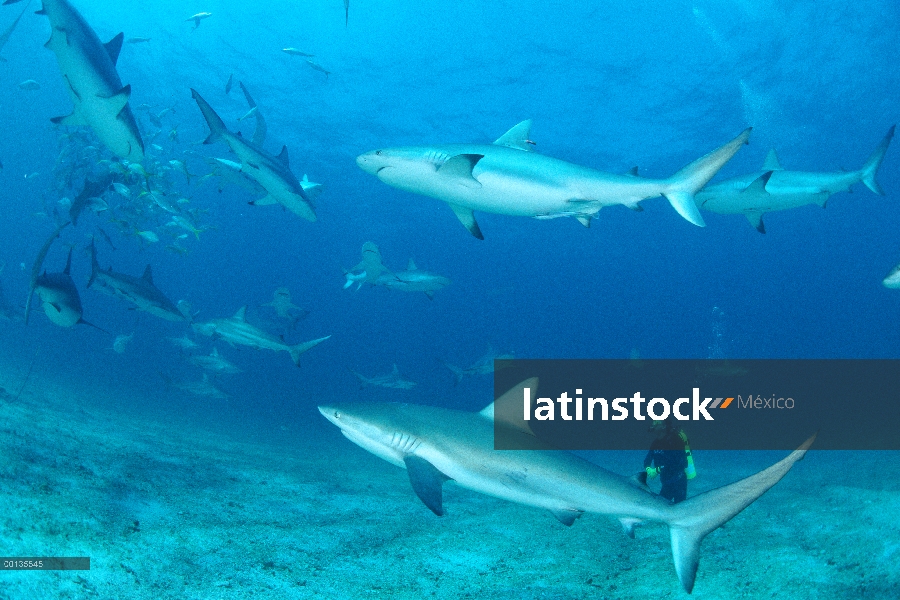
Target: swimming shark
483 366
140 291
508 178
57 292
368 270
89 70
392 380
236 330
273 173
773 188
438 444
214 362
413 280
93 189
4 37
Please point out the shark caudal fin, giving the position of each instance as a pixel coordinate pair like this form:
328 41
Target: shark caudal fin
870 169
691 520
299 349
691 179
215 123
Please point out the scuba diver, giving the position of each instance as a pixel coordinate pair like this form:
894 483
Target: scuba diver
670 458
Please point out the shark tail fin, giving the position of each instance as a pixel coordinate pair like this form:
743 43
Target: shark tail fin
870 169
690 521
215 123
299 349
691 179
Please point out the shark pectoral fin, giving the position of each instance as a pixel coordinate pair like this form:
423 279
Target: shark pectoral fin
430 295
266 201
426 481
73 120
459 168
584 220
628 525
283 157
566 516
116 102
755 219
758 185
467 218
517 137
684 204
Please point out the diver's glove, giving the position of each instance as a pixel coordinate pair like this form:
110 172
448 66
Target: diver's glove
652 472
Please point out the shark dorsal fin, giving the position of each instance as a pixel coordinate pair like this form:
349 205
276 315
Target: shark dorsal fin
114 46
396 371
241 314
411 265
517 137
148 275
283 157
511 403
633 172
771 163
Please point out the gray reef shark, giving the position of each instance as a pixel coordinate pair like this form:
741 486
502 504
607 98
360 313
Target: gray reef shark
773 188
199 388
57 292
413 280
140 291
214 362
368 270
89 70
237 331
438 444
284 308
273 173
392 380
483 366
508 178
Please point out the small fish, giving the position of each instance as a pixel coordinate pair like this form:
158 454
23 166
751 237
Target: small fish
137 40
147 235
318 67
138 169
173 134
182 222
229 84
121 342
122 190
295 52
29 84
249 114
32 175
184 342
197 18
156 147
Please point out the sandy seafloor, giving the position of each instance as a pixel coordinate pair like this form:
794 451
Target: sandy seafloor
182 508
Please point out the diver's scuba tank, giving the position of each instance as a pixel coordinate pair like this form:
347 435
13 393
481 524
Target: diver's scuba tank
690 471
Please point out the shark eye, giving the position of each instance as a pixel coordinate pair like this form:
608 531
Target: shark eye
337 414
378 153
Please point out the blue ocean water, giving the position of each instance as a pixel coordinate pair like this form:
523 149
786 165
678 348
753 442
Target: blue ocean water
608 85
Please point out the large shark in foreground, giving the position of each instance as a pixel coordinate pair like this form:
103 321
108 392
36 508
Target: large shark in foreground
273 173
773 188
140 291
236 330
508 178
89 70
437 444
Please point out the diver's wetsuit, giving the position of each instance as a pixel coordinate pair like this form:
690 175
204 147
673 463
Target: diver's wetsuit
668 454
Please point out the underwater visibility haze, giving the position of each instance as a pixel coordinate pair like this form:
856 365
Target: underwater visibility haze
291 207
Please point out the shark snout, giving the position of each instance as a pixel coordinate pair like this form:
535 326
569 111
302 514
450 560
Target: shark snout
371 162
331 413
